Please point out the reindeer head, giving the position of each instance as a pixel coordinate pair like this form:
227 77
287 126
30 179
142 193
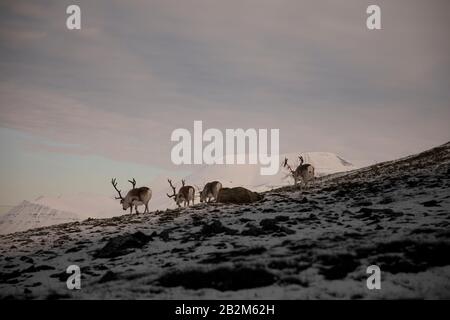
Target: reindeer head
202 195
125 204
177 197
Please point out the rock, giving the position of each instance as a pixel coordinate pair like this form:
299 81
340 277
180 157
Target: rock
282 218
5 277
216 227
374 213
336 266
38 268
196 220
122 245
386 200
222 279
237 195
61 276
26 259
253 231
165 235
75 249
431 203
108 276
235 255
100 267
268 226
363 203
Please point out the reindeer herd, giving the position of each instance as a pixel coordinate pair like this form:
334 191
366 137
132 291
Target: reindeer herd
303 173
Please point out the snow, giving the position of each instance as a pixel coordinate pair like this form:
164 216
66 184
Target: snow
317 245
78 207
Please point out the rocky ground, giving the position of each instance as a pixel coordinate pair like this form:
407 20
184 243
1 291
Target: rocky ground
292 244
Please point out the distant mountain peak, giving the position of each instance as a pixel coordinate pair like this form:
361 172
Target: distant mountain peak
48 210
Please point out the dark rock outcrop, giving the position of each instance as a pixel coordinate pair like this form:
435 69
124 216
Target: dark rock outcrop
122 245
216 227
222 279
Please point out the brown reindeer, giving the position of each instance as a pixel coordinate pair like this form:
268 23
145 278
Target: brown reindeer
185 194
303 173
211 190
135 197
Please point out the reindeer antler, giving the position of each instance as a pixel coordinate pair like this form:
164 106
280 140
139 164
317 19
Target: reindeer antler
183 182
133 182
300 158
114 183
286 165
173 188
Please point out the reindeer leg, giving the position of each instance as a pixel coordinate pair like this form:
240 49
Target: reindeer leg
146 208
136 208
131 209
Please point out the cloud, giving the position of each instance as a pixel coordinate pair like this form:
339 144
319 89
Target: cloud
68 121
140 69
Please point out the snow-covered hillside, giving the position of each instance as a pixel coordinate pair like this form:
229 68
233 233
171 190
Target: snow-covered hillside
291 244
46 211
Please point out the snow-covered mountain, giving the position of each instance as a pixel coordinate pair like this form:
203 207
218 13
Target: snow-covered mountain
46 211
84 205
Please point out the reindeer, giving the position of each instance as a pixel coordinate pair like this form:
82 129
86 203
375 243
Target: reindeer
135 197
211 190
304 172
185 194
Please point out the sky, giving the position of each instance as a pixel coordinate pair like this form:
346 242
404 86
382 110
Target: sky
81 106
